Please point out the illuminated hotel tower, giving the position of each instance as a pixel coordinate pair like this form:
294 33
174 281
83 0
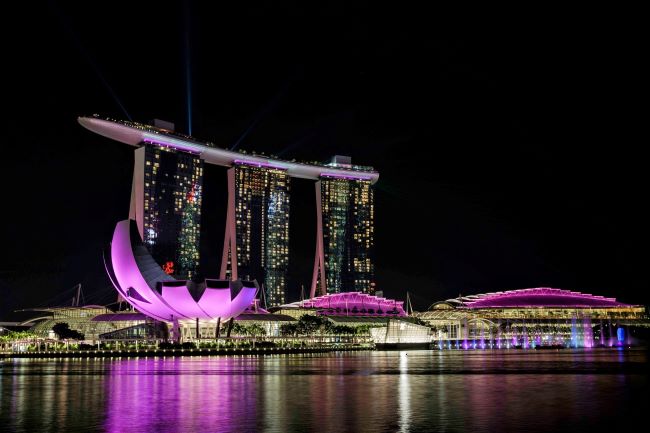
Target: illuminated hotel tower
257 228
166 205
345 233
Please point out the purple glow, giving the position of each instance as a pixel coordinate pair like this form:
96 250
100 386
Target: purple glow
540 297
345 176
181 299
353 304
143 404
258 164
176 302
217 303
128 276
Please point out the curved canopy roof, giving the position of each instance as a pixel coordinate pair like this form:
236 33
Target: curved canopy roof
537 297
135 134
352 303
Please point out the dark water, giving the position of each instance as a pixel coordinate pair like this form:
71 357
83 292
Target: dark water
594 390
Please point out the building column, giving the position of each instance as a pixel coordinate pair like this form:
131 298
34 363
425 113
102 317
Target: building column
319 259
136 209
230 237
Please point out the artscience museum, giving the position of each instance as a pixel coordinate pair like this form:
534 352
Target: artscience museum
142 283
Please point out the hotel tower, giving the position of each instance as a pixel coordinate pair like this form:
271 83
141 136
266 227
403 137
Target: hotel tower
166 201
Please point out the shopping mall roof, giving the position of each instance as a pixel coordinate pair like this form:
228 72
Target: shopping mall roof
351 304
532 298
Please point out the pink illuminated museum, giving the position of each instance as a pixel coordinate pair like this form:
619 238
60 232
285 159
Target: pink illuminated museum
142 283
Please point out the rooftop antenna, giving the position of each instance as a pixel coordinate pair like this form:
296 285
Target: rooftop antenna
302 295
409 305
77 297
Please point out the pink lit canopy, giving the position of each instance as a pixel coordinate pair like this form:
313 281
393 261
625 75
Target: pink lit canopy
352 303
537 297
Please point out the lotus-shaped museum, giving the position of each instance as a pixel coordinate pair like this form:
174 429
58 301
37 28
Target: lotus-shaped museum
144 285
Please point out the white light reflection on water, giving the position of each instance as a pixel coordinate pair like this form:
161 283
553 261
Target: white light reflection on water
404 394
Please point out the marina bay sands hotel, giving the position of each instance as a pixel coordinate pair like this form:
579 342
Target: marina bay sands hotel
166 199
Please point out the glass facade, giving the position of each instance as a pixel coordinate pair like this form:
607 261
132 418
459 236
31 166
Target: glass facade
530 318
347 207
262 228
172 209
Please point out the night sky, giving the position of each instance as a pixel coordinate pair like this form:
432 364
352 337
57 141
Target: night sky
509 151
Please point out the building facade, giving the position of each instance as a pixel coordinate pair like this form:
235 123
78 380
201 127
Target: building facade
167 196
529 318
166 205
345 236
257 228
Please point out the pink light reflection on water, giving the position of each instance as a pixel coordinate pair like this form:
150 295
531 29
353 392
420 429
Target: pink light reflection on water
532 391
181 394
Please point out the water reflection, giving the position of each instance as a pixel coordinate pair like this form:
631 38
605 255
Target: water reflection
404 394
50 396
182 394
372 391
